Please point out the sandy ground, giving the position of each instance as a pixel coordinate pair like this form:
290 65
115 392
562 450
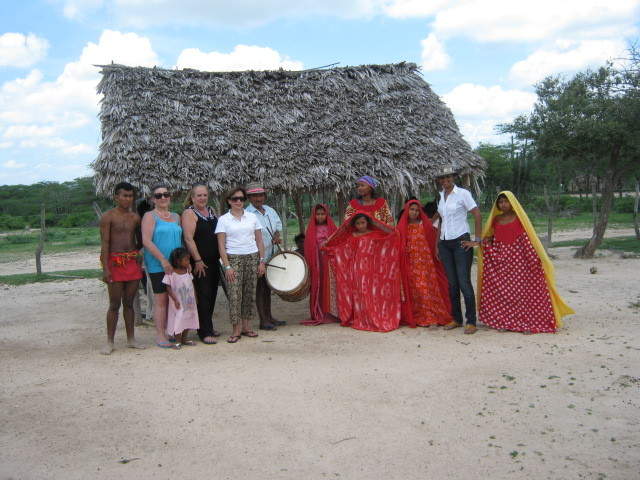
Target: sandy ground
324 402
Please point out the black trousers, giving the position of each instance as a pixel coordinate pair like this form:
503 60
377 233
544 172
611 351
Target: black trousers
263 301
457 264
206 288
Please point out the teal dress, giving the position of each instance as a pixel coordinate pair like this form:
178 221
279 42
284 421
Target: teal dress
167 236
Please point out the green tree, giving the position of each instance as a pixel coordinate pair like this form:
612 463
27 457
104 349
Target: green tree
590 123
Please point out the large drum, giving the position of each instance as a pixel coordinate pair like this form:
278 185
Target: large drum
288 276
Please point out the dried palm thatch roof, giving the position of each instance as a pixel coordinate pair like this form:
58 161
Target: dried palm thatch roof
311 130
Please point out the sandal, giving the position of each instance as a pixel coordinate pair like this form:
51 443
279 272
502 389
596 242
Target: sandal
189 343
249 333
233 338
165 345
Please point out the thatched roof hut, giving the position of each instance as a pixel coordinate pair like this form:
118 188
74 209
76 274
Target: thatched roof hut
306 130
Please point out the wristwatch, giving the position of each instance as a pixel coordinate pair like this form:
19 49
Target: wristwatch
263 260
227 267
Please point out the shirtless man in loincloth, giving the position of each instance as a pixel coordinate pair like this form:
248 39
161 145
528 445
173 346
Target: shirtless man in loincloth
120 256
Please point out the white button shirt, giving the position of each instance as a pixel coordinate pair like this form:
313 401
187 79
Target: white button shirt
453 212
240 233
270 221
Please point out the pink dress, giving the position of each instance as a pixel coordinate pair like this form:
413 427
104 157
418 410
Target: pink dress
185 317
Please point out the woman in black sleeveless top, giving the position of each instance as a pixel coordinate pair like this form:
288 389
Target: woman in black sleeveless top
199 226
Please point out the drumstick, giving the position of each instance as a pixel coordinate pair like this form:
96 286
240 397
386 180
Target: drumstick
275 266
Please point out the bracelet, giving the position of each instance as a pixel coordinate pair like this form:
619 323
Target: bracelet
263 260
198 261
478 240
228 267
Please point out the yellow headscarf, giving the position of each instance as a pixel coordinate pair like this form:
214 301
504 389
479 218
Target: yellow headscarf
560 309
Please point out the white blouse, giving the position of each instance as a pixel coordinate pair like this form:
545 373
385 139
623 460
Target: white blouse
453 212
240 232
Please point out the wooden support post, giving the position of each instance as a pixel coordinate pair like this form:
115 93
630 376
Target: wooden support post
40 247
285 220
342 205
297 200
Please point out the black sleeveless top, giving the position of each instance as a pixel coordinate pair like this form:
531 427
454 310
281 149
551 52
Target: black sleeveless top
205 236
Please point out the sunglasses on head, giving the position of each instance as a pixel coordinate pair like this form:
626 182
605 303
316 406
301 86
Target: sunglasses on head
158 196
237 199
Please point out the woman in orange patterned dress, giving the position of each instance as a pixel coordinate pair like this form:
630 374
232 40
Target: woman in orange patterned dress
428 300
368 201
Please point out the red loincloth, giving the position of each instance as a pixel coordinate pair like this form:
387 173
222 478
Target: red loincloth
124 266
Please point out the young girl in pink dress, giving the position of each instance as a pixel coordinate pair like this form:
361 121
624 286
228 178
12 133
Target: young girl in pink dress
320 228
183 314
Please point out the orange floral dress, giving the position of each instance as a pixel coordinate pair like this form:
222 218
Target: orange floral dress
429 307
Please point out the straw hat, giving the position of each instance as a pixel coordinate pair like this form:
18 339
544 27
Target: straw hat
254 188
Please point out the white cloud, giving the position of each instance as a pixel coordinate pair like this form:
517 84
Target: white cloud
508 20
142 14
472 100
20 131
13 164
567 56
478 109
413 8
19 50
434 56
75 9
40 113
243 57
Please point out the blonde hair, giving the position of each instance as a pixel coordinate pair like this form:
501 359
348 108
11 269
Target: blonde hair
188 201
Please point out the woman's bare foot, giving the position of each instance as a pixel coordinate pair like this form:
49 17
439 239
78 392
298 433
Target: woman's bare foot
107 349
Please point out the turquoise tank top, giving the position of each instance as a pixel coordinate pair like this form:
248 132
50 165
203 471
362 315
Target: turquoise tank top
166 237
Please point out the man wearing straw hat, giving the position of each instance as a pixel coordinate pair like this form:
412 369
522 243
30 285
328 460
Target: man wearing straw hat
271 228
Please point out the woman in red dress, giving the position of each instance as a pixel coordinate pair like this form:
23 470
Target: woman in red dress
368 201
320 228
365 256
515 276
429 303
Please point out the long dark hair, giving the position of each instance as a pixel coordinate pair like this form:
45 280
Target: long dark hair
177 254
357 217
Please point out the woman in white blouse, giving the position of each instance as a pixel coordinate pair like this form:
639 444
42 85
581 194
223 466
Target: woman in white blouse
242 254
455 247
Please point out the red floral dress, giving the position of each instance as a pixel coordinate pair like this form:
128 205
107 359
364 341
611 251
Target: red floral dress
428 306
514 292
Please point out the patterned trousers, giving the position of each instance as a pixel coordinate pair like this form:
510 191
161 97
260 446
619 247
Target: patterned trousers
242 292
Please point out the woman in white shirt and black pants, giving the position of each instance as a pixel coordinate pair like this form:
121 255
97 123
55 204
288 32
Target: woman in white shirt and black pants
456 248
242 254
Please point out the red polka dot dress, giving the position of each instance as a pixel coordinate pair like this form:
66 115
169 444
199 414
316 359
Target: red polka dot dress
514 292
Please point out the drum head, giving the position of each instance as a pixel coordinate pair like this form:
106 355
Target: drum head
286 271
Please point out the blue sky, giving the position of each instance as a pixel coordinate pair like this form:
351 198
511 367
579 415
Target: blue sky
481 56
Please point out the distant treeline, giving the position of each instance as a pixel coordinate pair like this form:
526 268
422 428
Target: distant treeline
67 204
70 204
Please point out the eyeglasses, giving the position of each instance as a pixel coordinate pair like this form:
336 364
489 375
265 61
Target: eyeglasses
237 199
158 196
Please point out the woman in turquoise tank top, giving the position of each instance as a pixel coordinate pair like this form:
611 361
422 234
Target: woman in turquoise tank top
161 234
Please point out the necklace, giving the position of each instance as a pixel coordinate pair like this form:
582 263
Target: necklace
165 217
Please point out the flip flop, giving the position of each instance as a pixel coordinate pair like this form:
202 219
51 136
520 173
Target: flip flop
249 333
233 339
165 345
189 343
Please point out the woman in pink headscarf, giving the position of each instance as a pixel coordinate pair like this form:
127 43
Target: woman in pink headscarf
368 201
320 228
